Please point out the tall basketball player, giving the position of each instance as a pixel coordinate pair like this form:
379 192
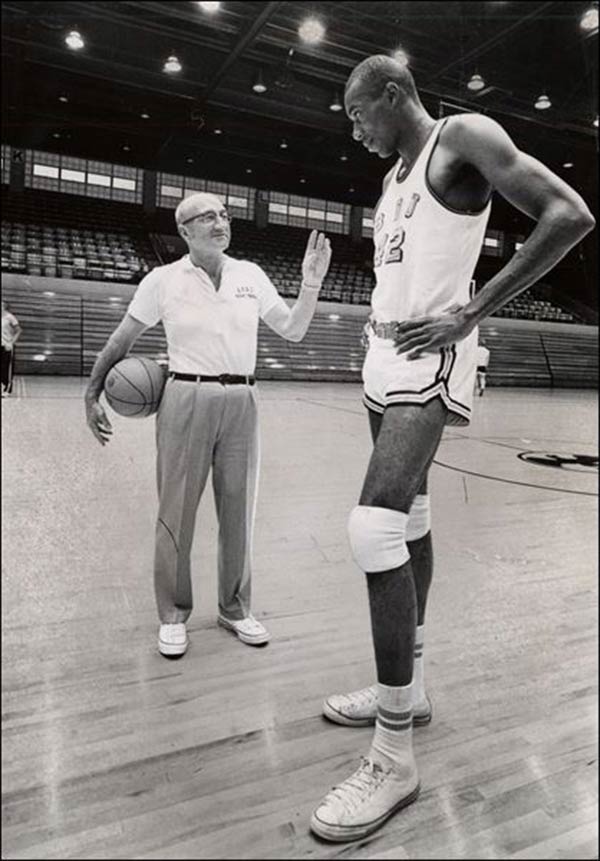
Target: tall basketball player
418 377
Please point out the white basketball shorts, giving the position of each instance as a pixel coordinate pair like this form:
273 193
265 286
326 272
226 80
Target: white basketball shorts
448 373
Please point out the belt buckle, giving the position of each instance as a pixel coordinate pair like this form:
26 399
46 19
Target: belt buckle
223 379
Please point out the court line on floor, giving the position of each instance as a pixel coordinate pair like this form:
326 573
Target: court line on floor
467 471
513 447
331 407
513 481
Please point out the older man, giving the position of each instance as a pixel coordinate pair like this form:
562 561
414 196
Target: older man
418 376
210 305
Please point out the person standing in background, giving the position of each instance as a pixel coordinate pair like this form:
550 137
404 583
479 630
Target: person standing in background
483 358
11 332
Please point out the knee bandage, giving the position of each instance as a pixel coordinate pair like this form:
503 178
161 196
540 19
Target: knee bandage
419 518
378 538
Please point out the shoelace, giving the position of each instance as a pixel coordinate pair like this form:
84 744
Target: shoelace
364 697
361 785
250 625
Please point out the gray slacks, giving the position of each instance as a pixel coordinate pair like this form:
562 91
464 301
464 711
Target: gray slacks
199 426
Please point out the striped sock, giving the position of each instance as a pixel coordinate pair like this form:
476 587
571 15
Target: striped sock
419 670
393 727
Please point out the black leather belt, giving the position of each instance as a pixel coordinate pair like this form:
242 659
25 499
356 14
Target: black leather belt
224 379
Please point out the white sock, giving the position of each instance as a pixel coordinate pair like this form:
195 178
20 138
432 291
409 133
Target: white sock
418 680
392 742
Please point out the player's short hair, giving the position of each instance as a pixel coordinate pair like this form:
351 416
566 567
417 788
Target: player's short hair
376 71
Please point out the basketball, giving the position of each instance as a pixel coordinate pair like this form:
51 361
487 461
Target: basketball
134 386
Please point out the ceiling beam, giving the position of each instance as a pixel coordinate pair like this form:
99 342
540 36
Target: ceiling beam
240 47
484 47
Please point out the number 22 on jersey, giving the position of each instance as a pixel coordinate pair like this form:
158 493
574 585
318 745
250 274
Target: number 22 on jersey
389 250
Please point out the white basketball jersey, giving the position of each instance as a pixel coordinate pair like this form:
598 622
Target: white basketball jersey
425 252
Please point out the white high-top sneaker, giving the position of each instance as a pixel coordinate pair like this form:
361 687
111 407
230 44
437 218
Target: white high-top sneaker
249 630
172 639
359 708
364 801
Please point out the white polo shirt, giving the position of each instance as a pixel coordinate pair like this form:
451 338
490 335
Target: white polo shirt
208 331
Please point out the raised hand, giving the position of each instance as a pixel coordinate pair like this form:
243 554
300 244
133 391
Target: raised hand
316 259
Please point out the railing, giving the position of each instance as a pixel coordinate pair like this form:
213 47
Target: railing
63 334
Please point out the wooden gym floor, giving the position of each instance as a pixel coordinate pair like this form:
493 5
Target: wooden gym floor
112 751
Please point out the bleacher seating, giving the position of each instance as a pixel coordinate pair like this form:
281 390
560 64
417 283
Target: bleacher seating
69 236
527 306
100 319
57 235
279 251
63 334
331 350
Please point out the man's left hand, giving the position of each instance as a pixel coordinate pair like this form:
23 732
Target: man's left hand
429 334
316 259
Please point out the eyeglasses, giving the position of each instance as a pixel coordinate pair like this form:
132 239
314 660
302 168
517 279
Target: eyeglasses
210 217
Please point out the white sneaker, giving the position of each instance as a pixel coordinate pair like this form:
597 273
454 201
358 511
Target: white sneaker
172 639
363 802
359 708
248 630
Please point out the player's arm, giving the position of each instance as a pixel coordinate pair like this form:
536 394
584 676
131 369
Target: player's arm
562 217
292 323
116 348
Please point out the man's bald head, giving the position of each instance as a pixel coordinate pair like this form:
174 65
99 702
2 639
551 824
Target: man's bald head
374 73
195 204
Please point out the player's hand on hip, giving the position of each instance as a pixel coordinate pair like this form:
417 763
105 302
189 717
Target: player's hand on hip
429 334
98 421
316 259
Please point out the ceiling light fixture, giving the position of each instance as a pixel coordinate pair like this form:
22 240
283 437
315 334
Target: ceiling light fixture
400 56
210 7
343 157
302 180
218 131
568 164
589 19
126 148
475 83
543 103
336 104
56 134
74 40
248 170
172 65
63 99
259 85
145 116
190 160
595 122
311 31
283 144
